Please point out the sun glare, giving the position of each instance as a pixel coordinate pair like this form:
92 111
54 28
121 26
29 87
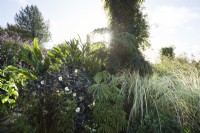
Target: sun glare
106 37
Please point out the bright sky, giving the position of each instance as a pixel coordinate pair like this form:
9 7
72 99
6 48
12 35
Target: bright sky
173 22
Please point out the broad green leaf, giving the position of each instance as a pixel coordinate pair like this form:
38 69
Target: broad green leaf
15 93
101 76
37 50
20 71
1 84
100 91
5 99
11 101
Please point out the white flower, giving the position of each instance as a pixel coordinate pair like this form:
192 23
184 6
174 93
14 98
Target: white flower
66 89
74 94
76 71
60 78
42 82
78 110
93 103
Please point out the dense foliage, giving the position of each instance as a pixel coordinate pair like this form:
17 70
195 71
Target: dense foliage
167 52
89 87
56 93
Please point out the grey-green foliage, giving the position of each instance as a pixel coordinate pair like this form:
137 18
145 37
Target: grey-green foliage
168 101
108 112
31 20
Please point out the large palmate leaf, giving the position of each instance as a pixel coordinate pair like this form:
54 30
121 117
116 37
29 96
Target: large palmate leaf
108 112
100 91
101 76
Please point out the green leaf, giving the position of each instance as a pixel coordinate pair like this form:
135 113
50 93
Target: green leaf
12 85
1 72
5 99
37 50
101 76
11 101
1 84
15 93
100 91
20 71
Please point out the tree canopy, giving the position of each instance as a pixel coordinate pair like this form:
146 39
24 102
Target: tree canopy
167 52
31 20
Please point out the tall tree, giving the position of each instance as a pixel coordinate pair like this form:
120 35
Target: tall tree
15 31
127 16
31 20
129 33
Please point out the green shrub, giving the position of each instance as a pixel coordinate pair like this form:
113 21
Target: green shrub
22 125
54 99
8 53
108 113
76 54
8 87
